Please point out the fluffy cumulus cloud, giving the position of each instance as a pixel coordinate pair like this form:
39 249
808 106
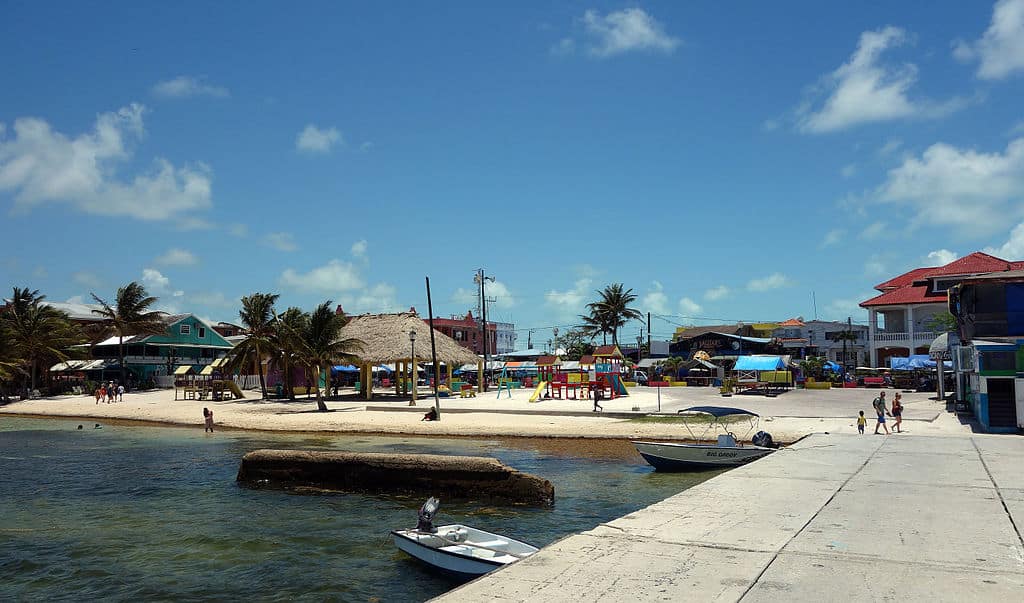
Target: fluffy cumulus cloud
1013 248
655 299
1000 51
359 249
39 165
775 280
717 293
619 32
865 89
333 277
940 257
376 298
688 307
570 303
154 281
185 86
317 140
177 257
282 241
970 191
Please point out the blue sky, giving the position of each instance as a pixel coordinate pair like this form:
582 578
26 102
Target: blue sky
725 161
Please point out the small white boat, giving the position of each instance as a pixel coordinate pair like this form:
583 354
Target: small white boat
726 452
457 549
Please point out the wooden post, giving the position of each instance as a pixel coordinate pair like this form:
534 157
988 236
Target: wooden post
449 365
368 384
412 382
480 376
395 376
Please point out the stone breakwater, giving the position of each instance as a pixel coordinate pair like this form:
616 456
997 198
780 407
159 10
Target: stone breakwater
470 477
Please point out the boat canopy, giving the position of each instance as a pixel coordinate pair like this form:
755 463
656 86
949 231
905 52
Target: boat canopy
719 411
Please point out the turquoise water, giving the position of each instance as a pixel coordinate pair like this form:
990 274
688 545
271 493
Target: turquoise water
127 513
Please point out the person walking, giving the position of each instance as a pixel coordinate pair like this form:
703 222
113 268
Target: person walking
103 394
120 393
897 413
598 394
880 411
861 423
99 394
208 417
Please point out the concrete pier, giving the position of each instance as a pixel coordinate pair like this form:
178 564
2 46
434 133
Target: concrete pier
833 518
429 474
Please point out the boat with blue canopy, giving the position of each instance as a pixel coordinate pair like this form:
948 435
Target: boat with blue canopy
724 451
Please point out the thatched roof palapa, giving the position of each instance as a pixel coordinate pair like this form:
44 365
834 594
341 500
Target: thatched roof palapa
385 340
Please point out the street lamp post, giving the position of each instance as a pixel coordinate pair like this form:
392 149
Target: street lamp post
415 373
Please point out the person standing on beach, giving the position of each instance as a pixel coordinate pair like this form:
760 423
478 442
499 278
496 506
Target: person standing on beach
861 423
208 415
897 413
103 394
98 393
120 393
880 411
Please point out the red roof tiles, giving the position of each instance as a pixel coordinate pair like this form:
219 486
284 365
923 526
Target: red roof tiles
915 287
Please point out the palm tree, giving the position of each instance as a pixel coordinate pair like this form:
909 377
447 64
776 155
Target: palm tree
612 310
257 315
35 334
129 316
594 325
321 348
285 345
673 364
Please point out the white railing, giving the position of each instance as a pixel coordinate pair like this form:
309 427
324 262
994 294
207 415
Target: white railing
925 336
903 337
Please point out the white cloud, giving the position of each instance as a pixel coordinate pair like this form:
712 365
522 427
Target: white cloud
333 277
843 308
941 257
238 230
317 140
873 231
875 266
972 192
890 147
378 298
87 279
848 170
865 90
213 299
75 299
770 125
716 293
1013 248
282 241
185 86
496 290
833 237
564 47
655 299
1000 51
359 248
688 307
177 257
571 302
776 280
42 166
619 32
155 282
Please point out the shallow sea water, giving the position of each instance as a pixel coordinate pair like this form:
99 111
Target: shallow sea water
128 513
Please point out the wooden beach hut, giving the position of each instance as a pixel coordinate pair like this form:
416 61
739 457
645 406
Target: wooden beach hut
386 340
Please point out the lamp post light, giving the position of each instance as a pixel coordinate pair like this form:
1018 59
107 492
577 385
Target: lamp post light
415 373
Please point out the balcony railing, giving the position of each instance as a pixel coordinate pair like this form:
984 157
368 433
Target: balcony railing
904 337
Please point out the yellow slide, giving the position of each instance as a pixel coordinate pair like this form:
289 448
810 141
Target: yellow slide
537 393
235 391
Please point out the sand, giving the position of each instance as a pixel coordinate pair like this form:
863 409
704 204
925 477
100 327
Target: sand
788 417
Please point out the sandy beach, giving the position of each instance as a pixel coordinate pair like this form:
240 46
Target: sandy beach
787 417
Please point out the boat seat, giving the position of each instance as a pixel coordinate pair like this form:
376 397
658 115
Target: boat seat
490 543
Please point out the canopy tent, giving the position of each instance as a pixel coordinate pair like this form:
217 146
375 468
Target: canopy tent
718 411
760 363
941 346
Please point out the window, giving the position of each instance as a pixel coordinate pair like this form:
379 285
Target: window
185 329
202 332
998 361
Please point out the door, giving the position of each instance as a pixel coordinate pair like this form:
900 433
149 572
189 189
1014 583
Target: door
1002 403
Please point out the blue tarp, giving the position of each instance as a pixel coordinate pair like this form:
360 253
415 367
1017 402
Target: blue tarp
759 363
718 411
344 368
832 366
915 362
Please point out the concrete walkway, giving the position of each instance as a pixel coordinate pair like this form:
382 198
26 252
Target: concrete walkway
833 518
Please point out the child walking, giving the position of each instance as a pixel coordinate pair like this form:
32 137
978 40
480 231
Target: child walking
208 414
861 422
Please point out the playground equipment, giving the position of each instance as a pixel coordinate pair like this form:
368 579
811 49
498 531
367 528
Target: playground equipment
505 383
537 393
608 370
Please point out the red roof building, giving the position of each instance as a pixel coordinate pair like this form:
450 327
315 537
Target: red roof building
908 304
466 331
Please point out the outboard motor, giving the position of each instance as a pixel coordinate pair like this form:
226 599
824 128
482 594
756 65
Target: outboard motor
426 516
763 439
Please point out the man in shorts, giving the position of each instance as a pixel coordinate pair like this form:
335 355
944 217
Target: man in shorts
880 411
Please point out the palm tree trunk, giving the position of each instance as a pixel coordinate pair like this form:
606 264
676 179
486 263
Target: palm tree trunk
34 374
120 353
259 371
319 394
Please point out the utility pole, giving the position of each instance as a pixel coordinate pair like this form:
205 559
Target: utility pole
481 280
648 333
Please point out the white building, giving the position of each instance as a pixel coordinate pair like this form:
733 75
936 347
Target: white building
823 338
505 333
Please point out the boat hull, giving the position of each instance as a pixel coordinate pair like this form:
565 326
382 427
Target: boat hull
668 456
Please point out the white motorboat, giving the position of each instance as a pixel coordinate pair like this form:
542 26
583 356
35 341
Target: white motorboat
457 549
725 452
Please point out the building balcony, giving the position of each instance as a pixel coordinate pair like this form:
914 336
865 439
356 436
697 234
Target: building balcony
900 337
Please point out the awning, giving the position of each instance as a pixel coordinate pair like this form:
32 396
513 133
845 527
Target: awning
760 363
940 347
207 370
718 411
183 369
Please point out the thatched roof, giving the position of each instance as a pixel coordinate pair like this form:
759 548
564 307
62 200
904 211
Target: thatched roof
385 340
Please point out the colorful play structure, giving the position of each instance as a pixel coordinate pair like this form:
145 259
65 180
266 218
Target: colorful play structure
208 383
601 371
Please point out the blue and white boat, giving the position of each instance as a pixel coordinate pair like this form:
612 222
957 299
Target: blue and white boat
725 452
456 549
